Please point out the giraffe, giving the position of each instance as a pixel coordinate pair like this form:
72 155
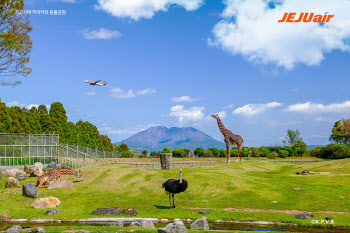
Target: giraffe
230 139
54 175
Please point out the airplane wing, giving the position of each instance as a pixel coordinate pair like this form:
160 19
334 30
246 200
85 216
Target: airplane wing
97 81
101 84
87 81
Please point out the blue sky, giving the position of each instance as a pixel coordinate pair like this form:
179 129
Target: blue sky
175 62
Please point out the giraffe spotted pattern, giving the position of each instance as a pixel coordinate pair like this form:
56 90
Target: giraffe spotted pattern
55 175
230 139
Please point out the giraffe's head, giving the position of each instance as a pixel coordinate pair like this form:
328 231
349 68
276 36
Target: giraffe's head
216 116
78 174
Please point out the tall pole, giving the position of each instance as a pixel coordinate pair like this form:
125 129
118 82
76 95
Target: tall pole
58 148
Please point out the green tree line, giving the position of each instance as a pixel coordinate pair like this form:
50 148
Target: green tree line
39 120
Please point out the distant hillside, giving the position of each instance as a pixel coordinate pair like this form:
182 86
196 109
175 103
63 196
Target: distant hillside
157 138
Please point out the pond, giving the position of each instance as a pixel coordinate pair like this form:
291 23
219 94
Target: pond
215 226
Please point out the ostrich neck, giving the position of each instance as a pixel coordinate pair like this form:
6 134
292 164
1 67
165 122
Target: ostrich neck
221 126
180 177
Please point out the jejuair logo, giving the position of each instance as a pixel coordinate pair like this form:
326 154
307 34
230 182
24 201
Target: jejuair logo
306 18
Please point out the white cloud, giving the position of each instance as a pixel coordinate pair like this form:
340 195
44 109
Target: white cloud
136 9
222 115
106 128
121 94
148 91
184 115
309 107
27 106
184 98
102 33
228 106
254 109
250 28
68 1
296 89
91 93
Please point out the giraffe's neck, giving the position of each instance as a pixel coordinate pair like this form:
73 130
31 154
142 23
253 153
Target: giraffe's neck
221 126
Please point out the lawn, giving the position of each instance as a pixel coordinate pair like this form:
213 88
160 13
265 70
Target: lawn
247 191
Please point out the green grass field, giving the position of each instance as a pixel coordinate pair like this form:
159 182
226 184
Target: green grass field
246 191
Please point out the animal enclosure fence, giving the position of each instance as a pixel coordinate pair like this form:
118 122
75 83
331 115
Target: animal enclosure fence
21 149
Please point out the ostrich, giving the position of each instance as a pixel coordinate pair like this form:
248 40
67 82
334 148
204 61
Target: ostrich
173 186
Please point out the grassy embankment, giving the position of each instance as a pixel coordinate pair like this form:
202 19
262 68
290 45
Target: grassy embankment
254 191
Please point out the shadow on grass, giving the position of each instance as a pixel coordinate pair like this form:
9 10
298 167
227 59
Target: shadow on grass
162 207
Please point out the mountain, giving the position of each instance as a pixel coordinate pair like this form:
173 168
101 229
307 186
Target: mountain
157 138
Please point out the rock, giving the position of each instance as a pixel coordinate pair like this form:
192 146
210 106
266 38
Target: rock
52 165
36 230
329 218
200 224
11 172
12 183
47 202
204 212
176 227
0 174
21 175
305 172
38 165
298 173
27 168
53 212
142 223
30 190
35 172
130 211
119 223
107 211
61 184
14 229
303 216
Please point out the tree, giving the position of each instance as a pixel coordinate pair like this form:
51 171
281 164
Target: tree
15 42
341 132
124 147
199 151
216 151
166 150
179 152
292 137
209 153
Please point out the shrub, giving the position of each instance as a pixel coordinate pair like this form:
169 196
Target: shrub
283 154
199 151
273 155
222 153
316 152
255 152
335 152
209 153
264 151
216 152
155 154
126 154
180 153
166 150
233 152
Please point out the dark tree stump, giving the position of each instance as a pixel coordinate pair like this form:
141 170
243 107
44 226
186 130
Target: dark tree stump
165 160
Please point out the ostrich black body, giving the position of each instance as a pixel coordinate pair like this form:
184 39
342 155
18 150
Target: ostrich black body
174 186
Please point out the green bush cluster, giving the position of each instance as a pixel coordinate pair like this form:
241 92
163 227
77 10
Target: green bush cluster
332 151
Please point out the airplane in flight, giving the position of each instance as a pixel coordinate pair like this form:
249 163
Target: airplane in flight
96 83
